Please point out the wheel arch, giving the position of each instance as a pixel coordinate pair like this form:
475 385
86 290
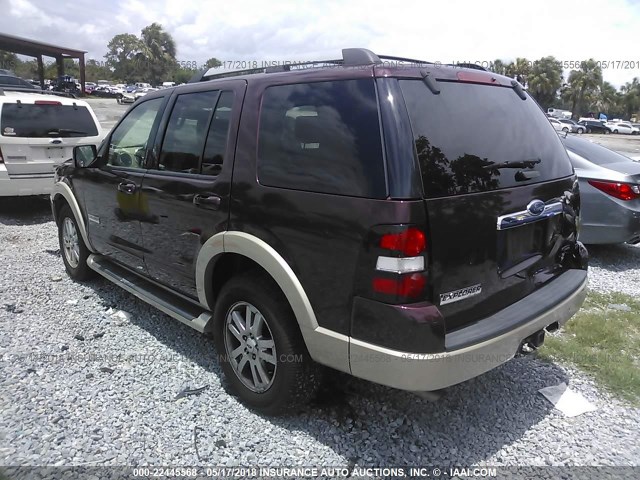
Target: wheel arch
63 195
325 346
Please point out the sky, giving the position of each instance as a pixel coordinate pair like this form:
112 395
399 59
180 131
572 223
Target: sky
446 31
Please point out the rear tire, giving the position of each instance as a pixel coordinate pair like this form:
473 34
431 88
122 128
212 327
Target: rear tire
260 347
580 131
72 247
565 129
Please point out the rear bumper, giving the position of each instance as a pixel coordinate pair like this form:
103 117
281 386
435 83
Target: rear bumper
17 187
433 371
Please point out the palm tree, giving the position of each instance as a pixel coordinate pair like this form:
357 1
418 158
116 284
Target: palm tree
159 50
583 83
544 80
631 97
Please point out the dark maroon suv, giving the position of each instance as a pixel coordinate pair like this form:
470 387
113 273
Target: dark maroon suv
408 223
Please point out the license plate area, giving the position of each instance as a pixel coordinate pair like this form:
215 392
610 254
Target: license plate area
520 247
55 153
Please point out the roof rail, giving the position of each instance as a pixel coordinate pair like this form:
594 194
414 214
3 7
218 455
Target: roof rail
350 57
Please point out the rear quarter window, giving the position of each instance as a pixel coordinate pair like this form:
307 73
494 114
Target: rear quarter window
38 121
322 137
460 133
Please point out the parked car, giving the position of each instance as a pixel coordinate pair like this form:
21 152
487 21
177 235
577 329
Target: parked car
556 124
37 132
89 87
609 191
323 217
558 113
11 81
619 127
571 126
141 92
104 91
126 97
595 126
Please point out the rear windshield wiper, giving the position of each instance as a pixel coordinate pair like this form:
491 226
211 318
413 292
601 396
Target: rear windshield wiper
59 131
518 164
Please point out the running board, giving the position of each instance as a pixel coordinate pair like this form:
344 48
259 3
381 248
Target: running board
187 312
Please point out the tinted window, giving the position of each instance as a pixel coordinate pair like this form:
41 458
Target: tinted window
322 137
216 146
593 152
129 141
467 128
29 120
186 132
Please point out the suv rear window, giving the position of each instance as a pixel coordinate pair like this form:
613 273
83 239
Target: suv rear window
322 137
468 127
37 121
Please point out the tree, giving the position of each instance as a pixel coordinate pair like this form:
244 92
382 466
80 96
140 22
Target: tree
8 61
125 57
96 70
213 62
519 70
583 83
159 51
630 98
544 81
500 67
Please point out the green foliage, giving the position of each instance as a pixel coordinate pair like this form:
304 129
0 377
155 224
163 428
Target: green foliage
603 340
544 81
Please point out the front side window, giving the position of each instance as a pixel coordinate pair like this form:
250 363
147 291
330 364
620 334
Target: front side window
130 140
322 137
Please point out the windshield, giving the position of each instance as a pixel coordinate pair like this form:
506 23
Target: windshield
37 121
460 133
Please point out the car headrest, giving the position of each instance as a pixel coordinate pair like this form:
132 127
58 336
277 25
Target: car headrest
308 129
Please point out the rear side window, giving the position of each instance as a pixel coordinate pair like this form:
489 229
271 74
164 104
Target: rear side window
37 121
460 133
594 152
322 137
199 122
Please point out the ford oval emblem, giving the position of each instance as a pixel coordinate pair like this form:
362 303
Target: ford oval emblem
536 207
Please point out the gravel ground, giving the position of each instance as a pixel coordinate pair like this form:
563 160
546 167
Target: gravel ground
82 385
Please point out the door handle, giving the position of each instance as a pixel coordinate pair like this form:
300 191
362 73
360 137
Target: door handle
128 188
209 201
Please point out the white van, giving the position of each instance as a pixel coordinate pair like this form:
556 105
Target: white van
558 113
38 132
168 84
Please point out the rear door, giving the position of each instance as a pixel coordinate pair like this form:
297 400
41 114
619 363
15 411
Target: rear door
186 190
37 136
494 230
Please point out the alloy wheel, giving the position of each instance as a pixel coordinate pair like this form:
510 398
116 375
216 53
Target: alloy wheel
250 347
70 243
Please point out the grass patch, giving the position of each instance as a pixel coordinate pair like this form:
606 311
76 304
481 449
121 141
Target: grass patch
603 341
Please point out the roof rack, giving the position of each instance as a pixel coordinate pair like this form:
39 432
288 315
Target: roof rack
350 57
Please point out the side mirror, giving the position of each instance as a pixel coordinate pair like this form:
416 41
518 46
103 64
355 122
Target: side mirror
84 155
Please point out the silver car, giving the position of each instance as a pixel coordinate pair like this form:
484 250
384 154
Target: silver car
571 126
609 192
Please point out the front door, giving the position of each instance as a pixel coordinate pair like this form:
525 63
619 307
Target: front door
187 190
111 189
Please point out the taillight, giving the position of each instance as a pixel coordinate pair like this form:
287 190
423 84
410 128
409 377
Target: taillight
47 102
622 191
1 157
410 242
400 267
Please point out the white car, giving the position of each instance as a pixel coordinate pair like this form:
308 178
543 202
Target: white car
622 127
556 124
141 92
38 132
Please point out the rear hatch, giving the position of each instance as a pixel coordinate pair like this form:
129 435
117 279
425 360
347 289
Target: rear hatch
34 137
495 175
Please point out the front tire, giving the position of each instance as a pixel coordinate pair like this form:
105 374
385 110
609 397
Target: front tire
565 129
72 247
580 131
260 347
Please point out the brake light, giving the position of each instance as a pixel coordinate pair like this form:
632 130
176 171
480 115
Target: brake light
477 77
411 242
622 191
1 158
401 271
409 286
47 102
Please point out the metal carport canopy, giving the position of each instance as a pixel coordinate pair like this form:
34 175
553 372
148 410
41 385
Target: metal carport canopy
32 48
